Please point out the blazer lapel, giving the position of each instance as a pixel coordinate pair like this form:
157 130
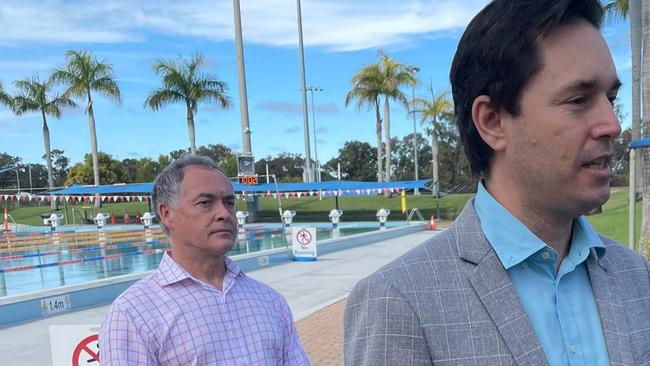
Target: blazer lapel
610 307
496 291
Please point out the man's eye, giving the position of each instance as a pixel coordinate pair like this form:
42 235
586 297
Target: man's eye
577 100
203 203
612 99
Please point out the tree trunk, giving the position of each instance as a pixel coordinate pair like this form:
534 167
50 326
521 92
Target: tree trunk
635 9
434 160
48 158
190 130
93 147
380 171
387 131
645 82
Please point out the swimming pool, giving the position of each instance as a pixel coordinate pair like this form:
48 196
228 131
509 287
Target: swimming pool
40 259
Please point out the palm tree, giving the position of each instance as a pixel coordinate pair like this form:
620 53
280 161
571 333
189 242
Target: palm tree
83 74
394 76
182 82
432 112
620 9
32 95
366 89
5 98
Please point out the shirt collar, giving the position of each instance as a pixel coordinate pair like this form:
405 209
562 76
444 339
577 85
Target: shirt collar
513 242
170 272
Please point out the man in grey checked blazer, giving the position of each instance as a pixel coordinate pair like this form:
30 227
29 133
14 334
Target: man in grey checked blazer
533 84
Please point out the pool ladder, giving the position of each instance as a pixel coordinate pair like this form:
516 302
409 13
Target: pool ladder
414 212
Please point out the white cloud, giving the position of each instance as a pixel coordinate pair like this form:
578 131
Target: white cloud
335 25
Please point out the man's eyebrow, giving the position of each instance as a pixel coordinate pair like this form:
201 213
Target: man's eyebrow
587 84
205 195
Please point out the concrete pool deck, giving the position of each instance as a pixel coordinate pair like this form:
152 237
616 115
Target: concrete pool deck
315 292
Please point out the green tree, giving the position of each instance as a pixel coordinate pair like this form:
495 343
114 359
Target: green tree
8 178
395 75
403 158
83 74
60 164
130 167
110 171
357 162
146 170
222 155
182 82
366 89
432 111
5 98
287 167
32 95
177 154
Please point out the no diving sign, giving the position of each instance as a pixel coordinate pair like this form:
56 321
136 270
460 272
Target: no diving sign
304 244
74 345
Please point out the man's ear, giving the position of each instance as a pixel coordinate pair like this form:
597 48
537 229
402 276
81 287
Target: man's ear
166 216
489 122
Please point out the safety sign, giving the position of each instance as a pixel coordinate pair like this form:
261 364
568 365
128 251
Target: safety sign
74 345
304 244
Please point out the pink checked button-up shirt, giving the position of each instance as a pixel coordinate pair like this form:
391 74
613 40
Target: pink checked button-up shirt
170 318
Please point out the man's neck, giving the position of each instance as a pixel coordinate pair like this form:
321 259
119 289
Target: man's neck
208 268
553 228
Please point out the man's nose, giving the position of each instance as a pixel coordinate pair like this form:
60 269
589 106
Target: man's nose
221 212
607 124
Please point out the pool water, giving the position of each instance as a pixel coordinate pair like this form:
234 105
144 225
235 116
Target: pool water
38 260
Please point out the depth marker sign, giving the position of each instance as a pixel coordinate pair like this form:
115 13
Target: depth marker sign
74 345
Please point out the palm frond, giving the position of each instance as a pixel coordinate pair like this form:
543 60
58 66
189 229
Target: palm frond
617 9
161 98
82 73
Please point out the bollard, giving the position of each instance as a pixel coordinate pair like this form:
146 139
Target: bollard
127 219
335 217
241 220
382 216
287 219
147 219
112 218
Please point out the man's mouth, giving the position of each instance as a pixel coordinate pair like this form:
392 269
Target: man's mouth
224 231
601 163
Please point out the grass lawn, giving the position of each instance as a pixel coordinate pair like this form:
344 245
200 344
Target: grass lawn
612 222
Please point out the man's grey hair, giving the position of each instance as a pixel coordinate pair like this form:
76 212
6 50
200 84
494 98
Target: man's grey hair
166 187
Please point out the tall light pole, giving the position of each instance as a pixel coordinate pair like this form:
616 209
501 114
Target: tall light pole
303 91
243 96
313 89
413 70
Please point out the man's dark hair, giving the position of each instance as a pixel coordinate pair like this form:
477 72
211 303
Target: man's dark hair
498 54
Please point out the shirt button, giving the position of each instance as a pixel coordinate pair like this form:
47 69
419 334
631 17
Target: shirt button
573 348
524 265
545 255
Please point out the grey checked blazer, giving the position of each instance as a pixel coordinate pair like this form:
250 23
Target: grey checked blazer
449 301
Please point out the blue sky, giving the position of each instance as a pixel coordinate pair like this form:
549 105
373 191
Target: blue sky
340 36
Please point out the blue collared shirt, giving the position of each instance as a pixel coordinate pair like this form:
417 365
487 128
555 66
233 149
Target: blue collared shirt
560 305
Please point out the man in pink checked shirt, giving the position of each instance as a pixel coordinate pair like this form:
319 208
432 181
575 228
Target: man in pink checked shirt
198 308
